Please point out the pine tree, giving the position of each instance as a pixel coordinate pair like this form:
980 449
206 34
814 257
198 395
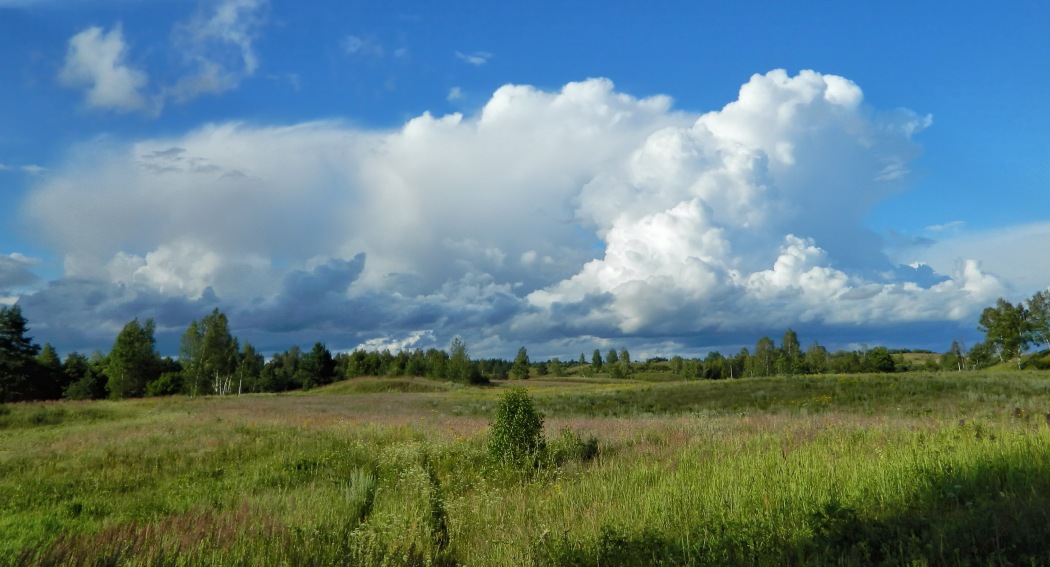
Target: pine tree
16 355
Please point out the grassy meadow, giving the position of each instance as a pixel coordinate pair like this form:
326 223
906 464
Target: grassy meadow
943 468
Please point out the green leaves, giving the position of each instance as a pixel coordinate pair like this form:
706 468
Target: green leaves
209 355
1006 329
16 355
133 361
516 435
520 370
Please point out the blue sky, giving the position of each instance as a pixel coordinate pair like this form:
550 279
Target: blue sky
561 175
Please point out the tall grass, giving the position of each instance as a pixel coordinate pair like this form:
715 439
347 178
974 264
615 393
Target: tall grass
927 469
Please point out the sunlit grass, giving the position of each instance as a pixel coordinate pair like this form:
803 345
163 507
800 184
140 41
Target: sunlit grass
939 468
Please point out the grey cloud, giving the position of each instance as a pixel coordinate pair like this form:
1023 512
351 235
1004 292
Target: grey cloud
85 314
922 275
332 277
15 271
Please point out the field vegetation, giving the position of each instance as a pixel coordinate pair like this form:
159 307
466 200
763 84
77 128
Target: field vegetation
907 468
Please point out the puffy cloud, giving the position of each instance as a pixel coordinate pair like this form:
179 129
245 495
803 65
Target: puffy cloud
551 218
96 62
752 218
216 49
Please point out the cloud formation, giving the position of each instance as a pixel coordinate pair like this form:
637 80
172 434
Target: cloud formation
96 62
563 218
362 46
218 46
215 46
31 169
477 58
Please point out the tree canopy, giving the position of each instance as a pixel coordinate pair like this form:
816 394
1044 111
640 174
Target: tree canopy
17 352
133 360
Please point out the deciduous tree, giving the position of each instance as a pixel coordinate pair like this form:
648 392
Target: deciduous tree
520 370
790 359
133 361
764 357
1006 330
816 359
1039 317
209 355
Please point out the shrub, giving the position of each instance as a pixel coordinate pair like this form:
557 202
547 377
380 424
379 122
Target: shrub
168 384
516 435
569 446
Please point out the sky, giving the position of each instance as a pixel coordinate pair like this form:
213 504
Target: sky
673 178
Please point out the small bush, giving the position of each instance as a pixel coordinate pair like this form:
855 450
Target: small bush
569 446
169 383
516 436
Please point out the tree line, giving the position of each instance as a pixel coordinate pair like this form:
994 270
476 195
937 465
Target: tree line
212 361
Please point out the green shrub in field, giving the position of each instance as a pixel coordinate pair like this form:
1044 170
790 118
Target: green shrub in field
516 435
570 446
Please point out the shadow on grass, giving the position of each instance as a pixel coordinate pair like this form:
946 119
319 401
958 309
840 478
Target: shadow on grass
993 513
997 513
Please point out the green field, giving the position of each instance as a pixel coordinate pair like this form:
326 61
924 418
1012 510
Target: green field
946 468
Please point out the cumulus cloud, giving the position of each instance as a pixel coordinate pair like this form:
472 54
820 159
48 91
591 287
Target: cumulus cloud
582 212
752 216
215 46
96 62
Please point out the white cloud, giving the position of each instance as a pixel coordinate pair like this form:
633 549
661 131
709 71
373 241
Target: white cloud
455 93
1017 255
582 212
741 219
413 340
948 226
478 58
96 62
218 46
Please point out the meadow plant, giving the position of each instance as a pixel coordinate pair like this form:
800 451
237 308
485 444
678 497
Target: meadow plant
516 435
